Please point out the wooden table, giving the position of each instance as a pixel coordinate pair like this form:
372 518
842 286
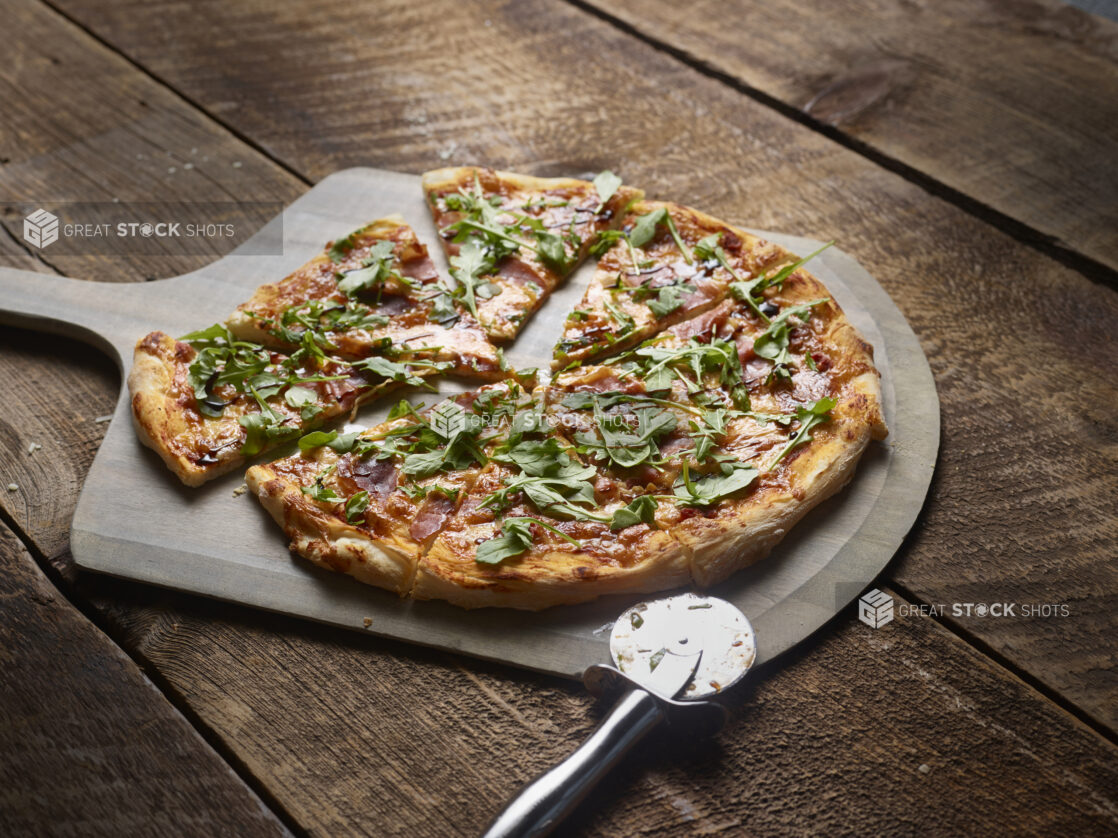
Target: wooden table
966 154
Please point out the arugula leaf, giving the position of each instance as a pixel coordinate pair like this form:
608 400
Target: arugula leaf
810 416
299 397
644 230
777 279
315 439
668 300
340 248
443 310
606 185
471 262
710 427
627 447
661 365
355 507
733 477
264 429
749 291
537 457
402 408
515 538
773 344
319 491
641 510
625 321
403 372
217 334
558 488
553 252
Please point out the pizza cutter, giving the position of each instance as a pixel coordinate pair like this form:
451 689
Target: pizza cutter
669 655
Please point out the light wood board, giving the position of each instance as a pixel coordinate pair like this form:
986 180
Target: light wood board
135 520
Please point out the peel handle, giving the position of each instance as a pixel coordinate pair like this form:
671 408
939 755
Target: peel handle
547 800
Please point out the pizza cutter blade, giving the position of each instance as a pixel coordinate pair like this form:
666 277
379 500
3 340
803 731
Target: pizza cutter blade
669 655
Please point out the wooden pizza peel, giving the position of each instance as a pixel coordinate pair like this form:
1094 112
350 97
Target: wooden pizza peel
135 520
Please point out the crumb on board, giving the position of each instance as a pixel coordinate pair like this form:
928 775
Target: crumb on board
13 487
924 768
368 621
240 490
100 419
33 447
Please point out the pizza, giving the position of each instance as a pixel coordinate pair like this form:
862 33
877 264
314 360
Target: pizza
676 461
511 239
706 394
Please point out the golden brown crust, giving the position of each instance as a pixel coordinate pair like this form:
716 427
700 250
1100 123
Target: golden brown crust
545 576
552 571
158 412
330 542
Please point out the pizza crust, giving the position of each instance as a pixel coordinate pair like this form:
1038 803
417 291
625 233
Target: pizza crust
159 415
329 542
543 577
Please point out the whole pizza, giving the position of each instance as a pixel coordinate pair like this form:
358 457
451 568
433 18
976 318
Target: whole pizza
706 393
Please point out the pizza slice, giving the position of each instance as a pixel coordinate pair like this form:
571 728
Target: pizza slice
665 264
511 239
540 527
369 504
207 402
373 292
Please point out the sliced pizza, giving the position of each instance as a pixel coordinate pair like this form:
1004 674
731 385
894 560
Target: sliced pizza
681 460
511 239
665 264
373 292
207 402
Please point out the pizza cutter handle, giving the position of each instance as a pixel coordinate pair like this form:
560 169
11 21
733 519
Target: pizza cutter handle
547 800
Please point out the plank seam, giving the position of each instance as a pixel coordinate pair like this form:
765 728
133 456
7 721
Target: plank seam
996 657
1044 243
68 592
34 255
244 138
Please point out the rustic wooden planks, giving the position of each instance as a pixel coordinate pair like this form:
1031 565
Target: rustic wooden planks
1013 104
364 737
329 722
89 745
573 93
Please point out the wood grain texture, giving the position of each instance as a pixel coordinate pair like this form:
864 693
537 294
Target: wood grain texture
89 745
358 736
57 389
1022 348
82 125
1014 104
